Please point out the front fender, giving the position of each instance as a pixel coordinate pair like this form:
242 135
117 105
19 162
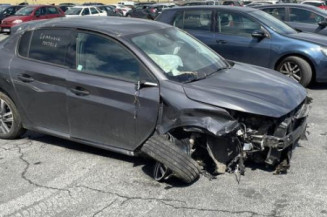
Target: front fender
177 110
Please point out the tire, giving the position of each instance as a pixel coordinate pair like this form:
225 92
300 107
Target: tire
162 150
10 121
296 68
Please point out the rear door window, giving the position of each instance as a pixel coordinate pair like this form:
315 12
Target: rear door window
52 10
94 11
41 11
24 43
85 12
194 20
279 13
50 45
231 23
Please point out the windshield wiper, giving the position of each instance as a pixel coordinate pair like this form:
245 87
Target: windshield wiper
220 69
197 77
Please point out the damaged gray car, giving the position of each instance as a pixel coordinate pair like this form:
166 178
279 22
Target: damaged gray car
145 88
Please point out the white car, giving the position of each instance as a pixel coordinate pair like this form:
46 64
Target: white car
320 4
84 11
123 9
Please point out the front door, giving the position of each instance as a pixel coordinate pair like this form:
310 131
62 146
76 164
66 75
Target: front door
234 39
104 106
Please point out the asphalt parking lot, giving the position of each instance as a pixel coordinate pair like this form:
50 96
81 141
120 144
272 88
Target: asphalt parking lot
46 176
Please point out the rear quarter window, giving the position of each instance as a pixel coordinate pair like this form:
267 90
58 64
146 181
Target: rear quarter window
24 44
50 46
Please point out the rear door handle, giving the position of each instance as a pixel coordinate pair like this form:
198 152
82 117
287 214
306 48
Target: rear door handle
25 78
80 91
221 41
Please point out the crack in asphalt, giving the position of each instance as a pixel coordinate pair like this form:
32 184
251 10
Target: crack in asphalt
23 174
106 207
166 203
215 210
127 198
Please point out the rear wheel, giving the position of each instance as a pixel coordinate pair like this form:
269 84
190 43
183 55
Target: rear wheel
170 158
10 121
296 68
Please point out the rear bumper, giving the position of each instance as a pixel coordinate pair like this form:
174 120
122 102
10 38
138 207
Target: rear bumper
5 28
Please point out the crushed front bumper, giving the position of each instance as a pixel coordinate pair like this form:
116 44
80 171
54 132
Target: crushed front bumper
287 133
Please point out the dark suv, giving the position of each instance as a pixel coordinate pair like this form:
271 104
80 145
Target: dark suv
146 88
7 11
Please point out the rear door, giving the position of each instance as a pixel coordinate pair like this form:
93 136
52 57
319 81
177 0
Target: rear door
234 38
103 105
39 74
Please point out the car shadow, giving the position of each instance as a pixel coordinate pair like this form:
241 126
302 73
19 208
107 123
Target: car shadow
51 140
146 164
318 86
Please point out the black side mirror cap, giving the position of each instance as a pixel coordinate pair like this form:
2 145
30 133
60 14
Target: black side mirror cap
322 23
258 34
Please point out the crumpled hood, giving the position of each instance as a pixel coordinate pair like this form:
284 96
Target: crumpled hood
249 89
310 37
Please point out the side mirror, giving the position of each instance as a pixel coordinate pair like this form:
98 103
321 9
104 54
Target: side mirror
322 23
258 34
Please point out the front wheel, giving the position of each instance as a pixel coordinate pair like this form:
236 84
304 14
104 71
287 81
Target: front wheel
10 121
296 68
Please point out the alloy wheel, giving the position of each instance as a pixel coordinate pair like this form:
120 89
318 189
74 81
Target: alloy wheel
6 117
160 172
291 70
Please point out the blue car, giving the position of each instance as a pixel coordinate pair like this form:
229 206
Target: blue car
253 36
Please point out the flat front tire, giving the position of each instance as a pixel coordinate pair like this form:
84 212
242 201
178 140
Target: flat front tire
172 157
10 120
296 68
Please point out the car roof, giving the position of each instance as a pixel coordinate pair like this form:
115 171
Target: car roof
115 26
312 2
86 6
225 7
291 4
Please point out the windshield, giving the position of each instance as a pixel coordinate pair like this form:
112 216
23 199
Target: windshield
181 57
24 11
73 11
273 23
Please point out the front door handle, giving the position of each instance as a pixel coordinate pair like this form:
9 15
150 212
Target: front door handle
80 91
25 78
221 41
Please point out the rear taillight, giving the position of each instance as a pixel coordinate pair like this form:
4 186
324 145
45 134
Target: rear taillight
153 10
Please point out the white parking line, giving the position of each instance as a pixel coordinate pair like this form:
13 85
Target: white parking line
3 36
